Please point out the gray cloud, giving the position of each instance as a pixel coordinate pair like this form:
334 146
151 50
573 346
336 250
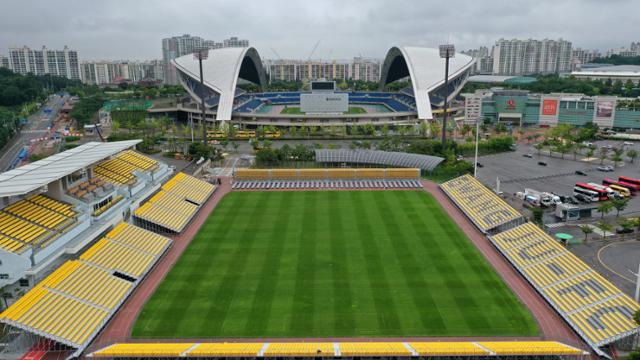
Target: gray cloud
133 29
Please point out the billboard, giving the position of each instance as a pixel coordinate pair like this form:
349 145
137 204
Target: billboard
549 107
604 108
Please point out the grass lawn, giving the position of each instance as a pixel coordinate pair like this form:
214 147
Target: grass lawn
294 110
329 264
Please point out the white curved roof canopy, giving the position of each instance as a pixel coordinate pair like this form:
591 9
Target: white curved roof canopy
426 69
221 71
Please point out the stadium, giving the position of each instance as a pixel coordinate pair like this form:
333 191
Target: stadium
126 257
323 104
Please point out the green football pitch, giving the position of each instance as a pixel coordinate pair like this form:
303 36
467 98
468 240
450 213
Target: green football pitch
296 110
331 264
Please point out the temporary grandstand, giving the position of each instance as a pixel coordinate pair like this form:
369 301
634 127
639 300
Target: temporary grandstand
339 349
598 311
71 305
425 163
171 208
485 209
225 102
59 204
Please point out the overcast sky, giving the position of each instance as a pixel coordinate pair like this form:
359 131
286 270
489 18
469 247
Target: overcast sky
133 29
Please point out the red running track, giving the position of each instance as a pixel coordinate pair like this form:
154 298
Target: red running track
551 325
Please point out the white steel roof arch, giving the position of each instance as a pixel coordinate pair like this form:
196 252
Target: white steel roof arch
221 71
426 70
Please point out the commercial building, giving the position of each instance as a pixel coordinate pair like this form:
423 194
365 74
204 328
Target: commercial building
114 72
177 46
610 73
519 107
524 57
63 62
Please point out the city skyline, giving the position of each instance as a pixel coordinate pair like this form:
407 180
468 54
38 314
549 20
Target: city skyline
133 31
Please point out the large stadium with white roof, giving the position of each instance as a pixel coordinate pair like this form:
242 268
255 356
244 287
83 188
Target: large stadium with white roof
223 69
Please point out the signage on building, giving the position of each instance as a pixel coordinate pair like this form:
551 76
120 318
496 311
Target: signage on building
511 104
604 109
549 107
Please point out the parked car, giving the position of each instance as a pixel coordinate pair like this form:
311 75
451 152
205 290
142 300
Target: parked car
542 163
628 143
587 144
528 155
607 146
623 230
581 173
605 168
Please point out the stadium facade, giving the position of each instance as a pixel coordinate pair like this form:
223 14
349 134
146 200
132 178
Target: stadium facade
225 68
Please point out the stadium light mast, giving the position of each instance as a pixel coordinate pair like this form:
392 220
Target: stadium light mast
447 51
202 54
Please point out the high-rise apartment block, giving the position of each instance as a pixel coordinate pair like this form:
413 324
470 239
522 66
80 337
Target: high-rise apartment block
113 72
24 60
177 46
525 57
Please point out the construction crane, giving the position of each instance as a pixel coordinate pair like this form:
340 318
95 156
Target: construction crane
276 53
313 50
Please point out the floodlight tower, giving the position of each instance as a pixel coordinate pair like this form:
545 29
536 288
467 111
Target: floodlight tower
447 51
202 54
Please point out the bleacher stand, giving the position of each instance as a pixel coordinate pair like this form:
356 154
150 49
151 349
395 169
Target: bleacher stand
71 305
363 349
489 212
595 308
171 209
338 178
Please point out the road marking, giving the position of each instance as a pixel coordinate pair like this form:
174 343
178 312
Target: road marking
610 269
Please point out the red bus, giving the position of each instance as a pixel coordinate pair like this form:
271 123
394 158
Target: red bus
629 181
608 182
590 192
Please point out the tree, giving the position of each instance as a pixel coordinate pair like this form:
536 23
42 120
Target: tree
619 205
604 226
603 154
385 130
617 155
539 147
586 230
632 154
604 208
589 153
537 215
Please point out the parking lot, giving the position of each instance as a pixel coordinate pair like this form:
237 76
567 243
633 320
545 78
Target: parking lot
517 172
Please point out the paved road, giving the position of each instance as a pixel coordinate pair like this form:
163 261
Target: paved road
36 127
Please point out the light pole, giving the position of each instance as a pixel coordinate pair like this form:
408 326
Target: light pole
447 51
475 159
202 54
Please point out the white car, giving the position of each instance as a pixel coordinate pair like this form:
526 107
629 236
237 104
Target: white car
605 168
628 143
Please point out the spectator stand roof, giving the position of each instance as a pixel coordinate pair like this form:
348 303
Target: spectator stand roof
42 172
377 157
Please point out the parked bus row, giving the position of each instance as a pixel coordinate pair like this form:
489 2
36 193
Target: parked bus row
624 187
